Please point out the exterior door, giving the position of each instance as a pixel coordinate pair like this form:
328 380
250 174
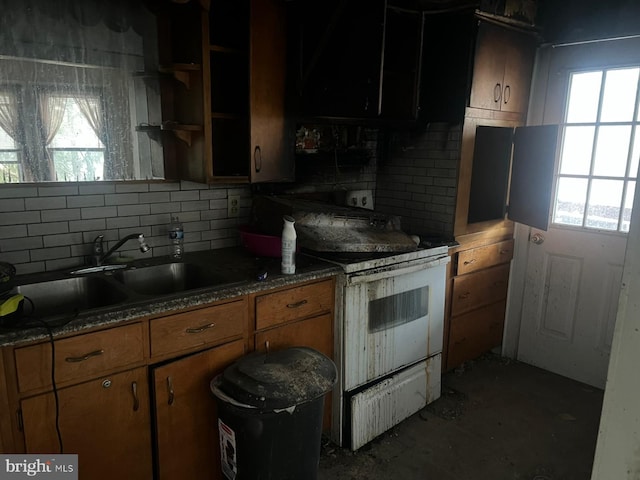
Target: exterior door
572 272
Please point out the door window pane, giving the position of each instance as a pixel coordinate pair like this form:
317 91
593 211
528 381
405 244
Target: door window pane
619 95
584 93
628 206
570 201
598 159
605 199
612 149
576 150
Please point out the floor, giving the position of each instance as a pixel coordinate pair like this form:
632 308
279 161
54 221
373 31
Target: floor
496 419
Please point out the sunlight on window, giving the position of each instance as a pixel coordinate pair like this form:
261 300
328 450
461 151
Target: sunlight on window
600 151
77 152
9 166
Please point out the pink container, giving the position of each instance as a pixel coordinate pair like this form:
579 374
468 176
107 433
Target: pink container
259 243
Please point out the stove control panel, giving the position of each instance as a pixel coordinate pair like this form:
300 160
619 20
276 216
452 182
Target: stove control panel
360 198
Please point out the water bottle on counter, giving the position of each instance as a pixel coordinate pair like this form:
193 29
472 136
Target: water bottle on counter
176 234
288 245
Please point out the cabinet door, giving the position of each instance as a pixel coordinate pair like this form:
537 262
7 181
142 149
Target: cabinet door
488 68
186 418
105 421
271 148
519 52
402 64
316 332
502 69
341 50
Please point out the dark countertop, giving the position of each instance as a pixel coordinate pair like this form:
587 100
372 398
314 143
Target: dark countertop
240 267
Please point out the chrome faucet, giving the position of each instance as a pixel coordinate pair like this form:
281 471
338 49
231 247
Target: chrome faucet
98 256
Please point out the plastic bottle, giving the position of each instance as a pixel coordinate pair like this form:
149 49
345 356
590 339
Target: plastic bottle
176 234
288 245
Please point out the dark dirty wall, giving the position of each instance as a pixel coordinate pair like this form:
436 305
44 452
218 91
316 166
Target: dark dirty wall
577 20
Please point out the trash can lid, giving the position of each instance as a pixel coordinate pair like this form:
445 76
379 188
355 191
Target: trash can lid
279 379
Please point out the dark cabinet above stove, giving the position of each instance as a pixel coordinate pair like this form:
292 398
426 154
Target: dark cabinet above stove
357 59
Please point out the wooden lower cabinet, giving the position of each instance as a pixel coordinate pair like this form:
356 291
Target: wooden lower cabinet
186 415
316 332
105 421
477 300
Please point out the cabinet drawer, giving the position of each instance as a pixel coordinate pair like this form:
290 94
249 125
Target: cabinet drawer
483 257
79 357
205 326
475 333
294 303
479 288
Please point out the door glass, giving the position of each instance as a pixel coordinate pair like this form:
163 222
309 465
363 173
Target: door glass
398 309
600 150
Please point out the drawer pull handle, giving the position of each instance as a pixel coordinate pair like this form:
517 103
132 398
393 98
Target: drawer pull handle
95 353
136 400
266 346
464 295
200 329
469 262
172 395
503 252
297 304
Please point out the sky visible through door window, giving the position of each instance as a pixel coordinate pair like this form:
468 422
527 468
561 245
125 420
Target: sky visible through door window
600 149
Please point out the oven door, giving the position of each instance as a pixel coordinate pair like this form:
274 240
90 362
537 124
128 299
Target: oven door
393 317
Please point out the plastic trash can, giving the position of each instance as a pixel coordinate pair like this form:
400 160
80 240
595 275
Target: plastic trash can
270 409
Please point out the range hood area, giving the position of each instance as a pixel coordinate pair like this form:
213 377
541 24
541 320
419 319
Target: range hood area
329 228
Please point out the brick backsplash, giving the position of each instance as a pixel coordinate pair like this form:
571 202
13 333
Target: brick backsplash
51 227
418 178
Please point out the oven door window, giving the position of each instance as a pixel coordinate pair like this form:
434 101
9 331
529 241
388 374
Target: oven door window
398 309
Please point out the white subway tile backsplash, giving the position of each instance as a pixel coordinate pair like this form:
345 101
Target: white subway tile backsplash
212 194
126 210
50 228
60 215
18 218
62 239
96 188
122 199
154 197
13 231
85 201
45 203
50 253
83 225
218 203
123 222
164 186
131 187
10 191
195 205
57 190
161 208
98 212
185 196
12 205
21 243
185 185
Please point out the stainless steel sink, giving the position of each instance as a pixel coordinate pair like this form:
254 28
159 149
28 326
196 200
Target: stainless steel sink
69 296
168 278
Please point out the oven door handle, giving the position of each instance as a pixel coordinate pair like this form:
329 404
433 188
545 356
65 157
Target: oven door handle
394 270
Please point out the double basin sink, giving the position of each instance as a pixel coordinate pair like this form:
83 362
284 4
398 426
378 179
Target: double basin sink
80 293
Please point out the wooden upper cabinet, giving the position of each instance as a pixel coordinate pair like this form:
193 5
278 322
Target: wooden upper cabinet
271 155
502 69
226 105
